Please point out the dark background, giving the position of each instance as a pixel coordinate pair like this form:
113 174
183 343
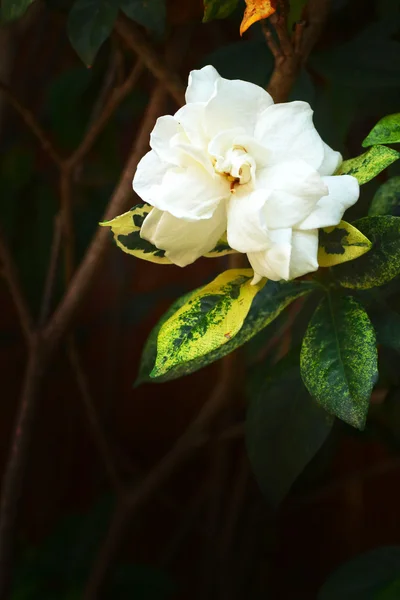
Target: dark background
208 532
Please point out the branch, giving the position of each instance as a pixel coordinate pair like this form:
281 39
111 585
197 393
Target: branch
136 41
12 278
193 438
291 53
32 124
109 108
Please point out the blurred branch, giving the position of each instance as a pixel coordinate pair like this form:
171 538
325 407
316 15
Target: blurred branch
11 276
32 124
291 52
52 270
137 41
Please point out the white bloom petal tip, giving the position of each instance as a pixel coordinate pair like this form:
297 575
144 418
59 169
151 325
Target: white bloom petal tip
231 161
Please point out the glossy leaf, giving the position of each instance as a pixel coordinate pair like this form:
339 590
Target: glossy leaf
365 577
126 231
256 10
368 165
340 244
266 306
381 263
209 319
339 358
218 9
149 13
386 131
90 23
14 9
387 199
285 428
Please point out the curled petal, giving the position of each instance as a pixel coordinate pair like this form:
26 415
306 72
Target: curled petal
235 104
344 191
287 131
201 84
273 263
184 241
149 173
304 253
331 162
246 226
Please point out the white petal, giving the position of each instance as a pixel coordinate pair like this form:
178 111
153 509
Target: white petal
332 160
235 104
190 193
160 138
183 241
295 190
287 131
201 84
149 174
223 142
192 118
273 263
246 227
304 253
344 191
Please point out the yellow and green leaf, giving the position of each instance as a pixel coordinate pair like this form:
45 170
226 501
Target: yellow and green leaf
338 358
386 131
126 232
341 243
381 263
266 306
368 165
209 319
387 199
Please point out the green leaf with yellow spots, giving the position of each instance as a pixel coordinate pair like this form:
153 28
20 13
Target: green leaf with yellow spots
381 263
209 319
126 231
218 9
340 244
386 131
266 306
387 199
338 358
368 165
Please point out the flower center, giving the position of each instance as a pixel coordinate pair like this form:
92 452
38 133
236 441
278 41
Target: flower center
236 166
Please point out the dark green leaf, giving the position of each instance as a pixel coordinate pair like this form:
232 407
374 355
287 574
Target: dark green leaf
387 199
285 428
14 9
149 13
218 9
391 592
386 131
363 577
387 328
368 165
266 306
339 358
381 263
90 23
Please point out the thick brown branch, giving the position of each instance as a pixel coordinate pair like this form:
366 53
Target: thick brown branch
31 123
11 275
137 41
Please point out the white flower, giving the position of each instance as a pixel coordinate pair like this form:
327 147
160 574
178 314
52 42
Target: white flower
233 161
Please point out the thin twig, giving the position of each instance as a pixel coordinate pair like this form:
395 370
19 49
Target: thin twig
193 438
96 429
137 41
12 278
32 124
109 108
52 271
67 222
